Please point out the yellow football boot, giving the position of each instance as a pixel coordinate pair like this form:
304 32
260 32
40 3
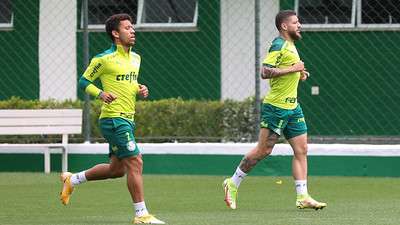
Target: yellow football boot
306 202
147 219
231 193
67 187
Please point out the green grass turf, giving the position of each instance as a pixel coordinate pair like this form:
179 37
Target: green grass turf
32 198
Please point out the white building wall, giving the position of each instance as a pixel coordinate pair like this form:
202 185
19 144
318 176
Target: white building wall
57 49
238 44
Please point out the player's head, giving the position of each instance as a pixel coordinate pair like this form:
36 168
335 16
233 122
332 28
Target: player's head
287 22
120 29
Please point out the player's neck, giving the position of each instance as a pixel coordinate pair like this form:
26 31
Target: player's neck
286 36
125 47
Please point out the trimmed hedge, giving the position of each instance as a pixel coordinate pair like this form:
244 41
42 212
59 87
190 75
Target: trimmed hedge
161 121
177 119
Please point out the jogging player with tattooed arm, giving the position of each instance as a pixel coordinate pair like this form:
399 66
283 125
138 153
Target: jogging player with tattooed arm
281 114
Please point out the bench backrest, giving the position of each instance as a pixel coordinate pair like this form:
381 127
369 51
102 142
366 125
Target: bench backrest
40 121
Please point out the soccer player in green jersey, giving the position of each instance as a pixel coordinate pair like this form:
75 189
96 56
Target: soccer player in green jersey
118 70
281 114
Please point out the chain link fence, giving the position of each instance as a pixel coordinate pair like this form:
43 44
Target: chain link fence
211 49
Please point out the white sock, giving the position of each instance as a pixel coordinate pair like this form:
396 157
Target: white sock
238 176
301 187
140 209
78 178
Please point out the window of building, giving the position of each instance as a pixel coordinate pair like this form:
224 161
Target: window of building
167 14
6 14
342 14
100 10
378 13
326 13
154 15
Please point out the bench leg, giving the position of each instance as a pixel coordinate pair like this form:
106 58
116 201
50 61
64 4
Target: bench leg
65 159
46 160
65 153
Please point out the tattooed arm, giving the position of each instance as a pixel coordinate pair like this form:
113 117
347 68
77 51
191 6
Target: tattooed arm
268 72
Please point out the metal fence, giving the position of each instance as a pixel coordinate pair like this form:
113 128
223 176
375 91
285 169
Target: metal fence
211 50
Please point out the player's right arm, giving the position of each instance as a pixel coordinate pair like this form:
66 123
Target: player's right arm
269 71
272 63
94 71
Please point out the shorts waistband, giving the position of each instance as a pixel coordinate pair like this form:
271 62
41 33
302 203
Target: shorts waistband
129 116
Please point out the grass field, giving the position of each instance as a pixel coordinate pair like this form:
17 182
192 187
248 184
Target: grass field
32 198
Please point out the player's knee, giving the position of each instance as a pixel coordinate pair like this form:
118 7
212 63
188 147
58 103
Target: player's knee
120 172
267 151
134 164
265 147
138 161
264 150
301 150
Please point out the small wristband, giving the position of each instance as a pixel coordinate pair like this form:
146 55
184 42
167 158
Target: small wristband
99 95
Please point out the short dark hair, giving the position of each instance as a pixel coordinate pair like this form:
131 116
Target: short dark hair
282 16
112 23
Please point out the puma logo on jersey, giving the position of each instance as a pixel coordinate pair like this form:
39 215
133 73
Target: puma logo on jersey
135 63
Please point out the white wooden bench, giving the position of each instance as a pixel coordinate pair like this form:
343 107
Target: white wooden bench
40 122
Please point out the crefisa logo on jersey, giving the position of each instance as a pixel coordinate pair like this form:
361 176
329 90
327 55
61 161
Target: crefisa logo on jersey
132 76
95 69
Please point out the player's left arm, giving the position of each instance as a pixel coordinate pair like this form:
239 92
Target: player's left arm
143 91
304 75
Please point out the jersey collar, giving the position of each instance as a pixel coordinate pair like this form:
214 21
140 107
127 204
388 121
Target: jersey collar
120 49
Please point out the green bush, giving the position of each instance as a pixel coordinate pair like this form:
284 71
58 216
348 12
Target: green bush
18 103
160 121
239 120
176 119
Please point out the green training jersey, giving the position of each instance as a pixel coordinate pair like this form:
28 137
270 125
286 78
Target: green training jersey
118 73
283 92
